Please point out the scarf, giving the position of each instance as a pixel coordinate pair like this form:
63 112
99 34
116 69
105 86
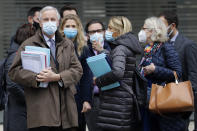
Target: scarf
149 50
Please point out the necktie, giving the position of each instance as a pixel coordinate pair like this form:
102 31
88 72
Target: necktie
52 47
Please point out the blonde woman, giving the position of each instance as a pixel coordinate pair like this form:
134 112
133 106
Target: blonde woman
72 29
158 63
117 104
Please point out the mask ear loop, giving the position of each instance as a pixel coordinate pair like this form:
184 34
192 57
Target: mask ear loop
170 33
169 26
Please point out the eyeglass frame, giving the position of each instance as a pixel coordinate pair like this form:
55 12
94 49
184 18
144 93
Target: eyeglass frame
94 31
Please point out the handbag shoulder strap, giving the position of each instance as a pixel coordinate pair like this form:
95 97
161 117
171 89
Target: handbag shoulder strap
176 77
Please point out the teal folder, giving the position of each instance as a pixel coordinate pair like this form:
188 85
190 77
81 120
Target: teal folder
99 66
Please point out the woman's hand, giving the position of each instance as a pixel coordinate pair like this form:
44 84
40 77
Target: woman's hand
47 75
149 69
86 107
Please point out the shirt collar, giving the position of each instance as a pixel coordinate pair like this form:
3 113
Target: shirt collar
47 39
174 37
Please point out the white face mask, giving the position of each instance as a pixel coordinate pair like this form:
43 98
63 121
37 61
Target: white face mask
49 27
142 36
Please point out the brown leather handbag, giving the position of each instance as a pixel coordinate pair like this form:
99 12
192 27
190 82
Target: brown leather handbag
173 97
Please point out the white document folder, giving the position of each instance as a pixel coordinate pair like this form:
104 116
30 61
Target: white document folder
40 49
35 62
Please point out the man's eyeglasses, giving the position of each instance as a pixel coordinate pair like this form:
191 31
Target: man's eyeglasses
94 31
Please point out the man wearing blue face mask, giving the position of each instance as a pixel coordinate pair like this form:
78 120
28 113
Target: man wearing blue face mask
51 108
95 34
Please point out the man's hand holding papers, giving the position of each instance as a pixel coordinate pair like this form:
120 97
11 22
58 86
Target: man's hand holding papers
47 75
36 59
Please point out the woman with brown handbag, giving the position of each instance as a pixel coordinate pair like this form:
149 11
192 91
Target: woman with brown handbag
157 64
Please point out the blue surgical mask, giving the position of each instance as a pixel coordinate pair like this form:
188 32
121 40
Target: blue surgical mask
109 36
98 37
70 33
49 27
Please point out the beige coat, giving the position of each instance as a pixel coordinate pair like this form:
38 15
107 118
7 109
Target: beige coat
54 105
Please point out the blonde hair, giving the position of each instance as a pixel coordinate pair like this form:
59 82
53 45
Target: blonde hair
158 28
121 24
80 38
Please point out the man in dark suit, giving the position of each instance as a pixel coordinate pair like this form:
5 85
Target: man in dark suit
186 49
95 31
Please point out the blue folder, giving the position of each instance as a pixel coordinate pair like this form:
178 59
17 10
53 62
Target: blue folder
99 66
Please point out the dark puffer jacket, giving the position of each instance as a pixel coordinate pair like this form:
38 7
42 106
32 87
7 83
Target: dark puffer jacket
116 107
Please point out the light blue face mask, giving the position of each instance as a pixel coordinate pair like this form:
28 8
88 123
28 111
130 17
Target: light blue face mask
109 36
49 27
98 37
70 33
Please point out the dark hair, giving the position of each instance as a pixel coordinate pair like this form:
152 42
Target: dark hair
170 16
94 21
33 10
66 7
23 33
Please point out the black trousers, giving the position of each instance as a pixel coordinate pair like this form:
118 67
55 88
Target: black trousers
44 128
92 115
81 117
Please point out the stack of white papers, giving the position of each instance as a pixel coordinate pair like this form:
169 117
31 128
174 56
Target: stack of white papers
40 49
99 66
36 59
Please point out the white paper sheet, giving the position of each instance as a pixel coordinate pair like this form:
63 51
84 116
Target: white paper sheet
35 62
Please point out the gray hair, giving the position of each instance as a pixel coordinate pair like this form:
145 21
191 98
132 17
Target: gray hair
46 8
158 28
